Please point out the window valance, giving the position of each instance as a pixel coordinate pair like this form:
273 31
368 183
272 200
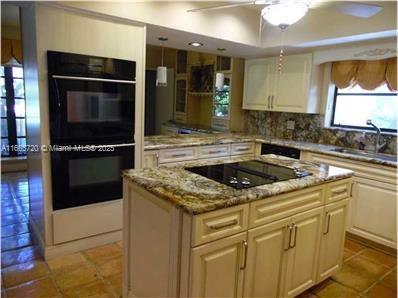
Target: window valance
365 73
10 48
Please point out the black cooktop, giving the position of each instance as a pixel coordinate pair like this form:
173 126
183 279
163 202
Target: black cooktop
247 174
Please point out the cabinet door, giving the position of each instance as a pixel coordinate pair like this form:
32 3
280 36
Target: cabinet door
266 247
302 257
292 88
332 239
259 83
373 211
217 268
151 159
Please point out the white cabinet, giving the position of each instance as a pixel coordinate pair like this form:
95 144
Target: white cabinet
332 239
302 257
258 83
374 211
266 248
218 268
151 159
373 207
295 89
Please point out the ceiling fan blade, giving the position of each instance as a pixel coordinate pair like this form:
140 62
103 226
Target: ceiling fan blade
360 10
215 7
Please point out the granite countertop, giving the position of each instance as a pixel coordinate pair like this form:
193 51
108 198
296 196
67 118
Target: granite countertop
196 194
195 127
167 142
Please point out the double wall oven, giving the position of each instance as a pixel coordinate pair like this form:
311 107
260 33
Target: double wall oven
92 116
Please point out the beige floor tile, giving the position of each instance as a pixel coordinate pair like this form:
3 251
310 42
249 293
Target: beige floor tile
354 278
306 294
365 265
102 254
66 264
347 254
379 257
93 289
332 289
84 274
353 246
390 281
18 274
380 291
120 243
111 267
37 288
115 283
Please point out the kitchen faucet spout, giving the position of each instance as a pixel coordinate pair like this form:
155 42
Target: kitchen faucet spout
377 146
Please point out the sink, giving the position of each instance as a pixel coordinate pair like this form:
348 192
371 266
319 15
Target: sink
366 154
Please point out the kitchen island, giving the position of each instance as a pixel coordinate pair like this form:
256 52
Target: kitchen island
188 236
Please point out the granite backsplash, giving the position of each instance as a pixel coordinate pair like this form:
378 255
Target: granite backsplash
310 128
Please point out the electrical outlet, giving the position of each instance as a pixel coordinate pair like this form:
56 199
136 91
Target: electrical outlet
290 124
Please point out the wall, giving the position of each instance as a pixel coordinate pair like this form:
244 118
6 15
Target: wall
48 28
310 128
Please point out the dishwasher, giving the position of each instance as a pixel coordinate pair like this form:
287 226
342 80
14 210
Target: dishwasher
280 150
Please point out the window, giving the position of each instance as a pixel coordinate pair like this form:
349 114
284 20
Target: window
354 106
222 99
13 130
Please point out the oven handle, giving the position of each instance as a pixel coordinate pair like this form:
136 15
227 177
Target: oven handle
93 79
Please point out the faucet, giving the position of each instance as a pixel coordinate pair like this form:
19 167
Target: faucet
378 146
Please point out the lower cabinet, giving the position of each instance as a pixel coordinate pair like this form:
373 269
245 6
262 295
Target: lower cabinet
301 257
266 248
218 267
332 239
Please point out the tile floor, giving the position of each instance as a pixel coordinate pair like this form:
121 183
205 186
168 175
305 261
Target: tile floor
97 272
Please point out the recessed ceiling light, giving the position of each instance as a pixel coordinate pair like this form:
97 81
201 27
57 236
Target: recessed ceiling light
196 44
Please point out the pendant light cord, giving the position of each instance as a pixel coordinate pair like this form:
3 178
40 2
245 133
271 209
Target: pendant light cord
281 51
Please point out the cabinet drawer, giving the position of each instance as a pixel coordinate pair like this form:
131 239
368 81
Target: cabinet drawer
282 206
181 154
180 118
218 224
338 190
242 148
214 151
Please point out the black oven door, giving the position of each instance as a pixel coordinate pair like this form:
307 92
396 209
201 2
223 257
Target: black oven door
89 175
86 110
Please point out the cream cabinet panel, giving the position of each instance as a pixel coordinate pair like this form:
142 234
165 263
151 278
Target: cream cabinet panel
266 247
178 154
217 268
151 159
332 239
374 211
302 257
293 84
258 83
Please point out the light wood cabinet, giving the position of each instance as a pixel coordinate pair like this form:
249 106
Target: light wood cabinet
302 256
295 89
373 207
218 268
332 239
266 248
259 83
222 254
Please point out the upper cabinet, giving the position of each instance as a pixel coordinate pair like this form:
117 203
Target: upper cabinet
182 62
295 89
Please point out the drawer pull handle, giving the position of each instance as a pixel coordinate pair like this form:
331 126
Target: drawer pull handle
328 224
244 244
178 155
295 236
223 224
289 229
215 152
242 149
339 192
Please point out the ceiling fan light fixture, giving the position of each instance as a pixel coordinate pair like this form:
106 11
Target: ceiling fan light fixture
284 13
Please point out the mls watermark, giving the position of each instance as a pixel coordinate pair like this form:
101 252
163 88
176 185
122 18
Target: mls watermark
57 148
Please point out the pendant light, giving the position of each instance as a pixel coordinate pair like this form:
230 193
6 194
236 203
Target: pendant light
161 71
220 76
